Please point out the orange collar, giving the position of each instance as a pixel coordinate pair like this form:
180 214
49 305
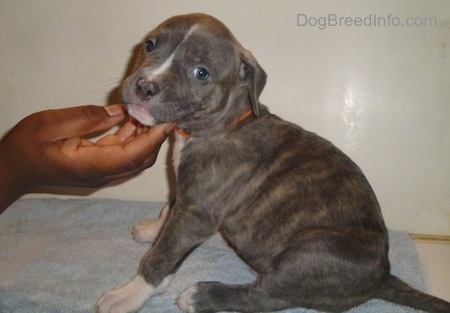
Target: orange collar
240 119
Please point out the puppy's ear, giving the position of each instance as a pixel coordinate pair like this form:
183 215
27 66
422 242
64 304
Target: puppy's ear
254 76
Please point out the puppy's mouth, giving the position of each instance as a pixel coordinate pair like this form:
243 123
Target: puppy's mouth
141 114
139 108
153 113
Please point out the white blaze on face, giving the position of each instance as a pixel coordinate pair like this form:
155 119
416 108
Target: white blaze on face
167 63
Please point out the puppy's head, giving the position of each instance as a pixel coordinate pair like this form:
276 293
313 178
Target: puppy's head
192 70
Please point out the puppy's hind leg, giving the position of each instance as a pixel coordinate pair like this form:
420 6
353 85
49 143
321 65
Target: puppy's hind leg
317 271
148 230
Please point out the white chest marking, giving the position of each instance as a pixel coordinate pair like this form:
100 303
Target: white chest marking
180 141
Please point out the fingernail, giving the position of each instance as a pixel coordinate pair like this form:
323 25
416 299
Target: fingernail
115 109
170 127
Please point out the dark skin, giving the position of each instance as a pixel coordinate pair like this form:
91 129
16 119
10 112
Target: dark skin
49 148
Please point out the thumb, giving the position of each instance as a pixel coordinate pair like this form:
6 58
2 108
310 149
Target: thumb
85 120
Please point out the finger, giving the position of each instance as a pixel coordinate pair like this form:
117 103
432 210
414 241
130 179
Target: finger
138 153
140 148
124 134
109 139
127 130
140 129
85 142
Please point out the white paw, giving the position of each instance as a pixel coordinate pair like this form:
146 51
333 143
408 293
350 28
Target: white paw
146 231
125 298
186 300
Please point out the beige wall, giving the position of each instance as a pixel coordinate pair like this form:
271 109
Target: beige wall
379 93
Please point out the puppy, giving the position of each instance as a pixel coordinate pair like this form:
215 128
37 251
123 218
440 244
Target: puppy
292 205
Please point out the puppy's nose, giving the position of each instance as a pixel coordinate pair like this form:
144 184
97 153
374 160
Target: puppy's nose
145 88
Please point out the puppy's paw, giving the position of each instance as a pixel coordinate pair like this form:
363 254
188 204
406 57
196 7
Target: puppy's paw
147 230
213 297
186 300
125 298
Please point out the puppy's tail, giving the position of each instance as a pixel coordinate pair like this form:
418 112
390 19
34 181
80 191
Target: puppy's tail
396 291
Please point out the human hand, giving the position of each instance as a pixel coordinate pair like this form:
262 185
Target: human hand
49 149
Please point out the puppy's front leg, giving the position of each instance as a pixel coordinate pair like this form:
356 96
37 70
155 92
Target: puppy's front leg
183 231
148 230
129 297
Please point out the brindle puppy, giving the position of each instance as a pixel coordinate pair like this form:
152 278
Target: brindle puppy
293 206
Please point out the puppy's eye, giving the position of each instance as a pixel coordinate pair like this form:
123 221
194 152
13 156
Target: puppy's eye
201 73
149 46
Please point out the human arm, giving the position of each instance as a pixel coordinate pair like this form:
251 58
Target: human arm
48 149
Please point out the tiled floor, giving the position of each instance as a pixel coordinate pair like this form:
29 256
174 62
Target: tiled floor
435 259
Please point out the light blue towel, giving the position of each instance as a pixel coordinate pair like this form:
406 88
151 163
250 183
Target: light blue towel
61 255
